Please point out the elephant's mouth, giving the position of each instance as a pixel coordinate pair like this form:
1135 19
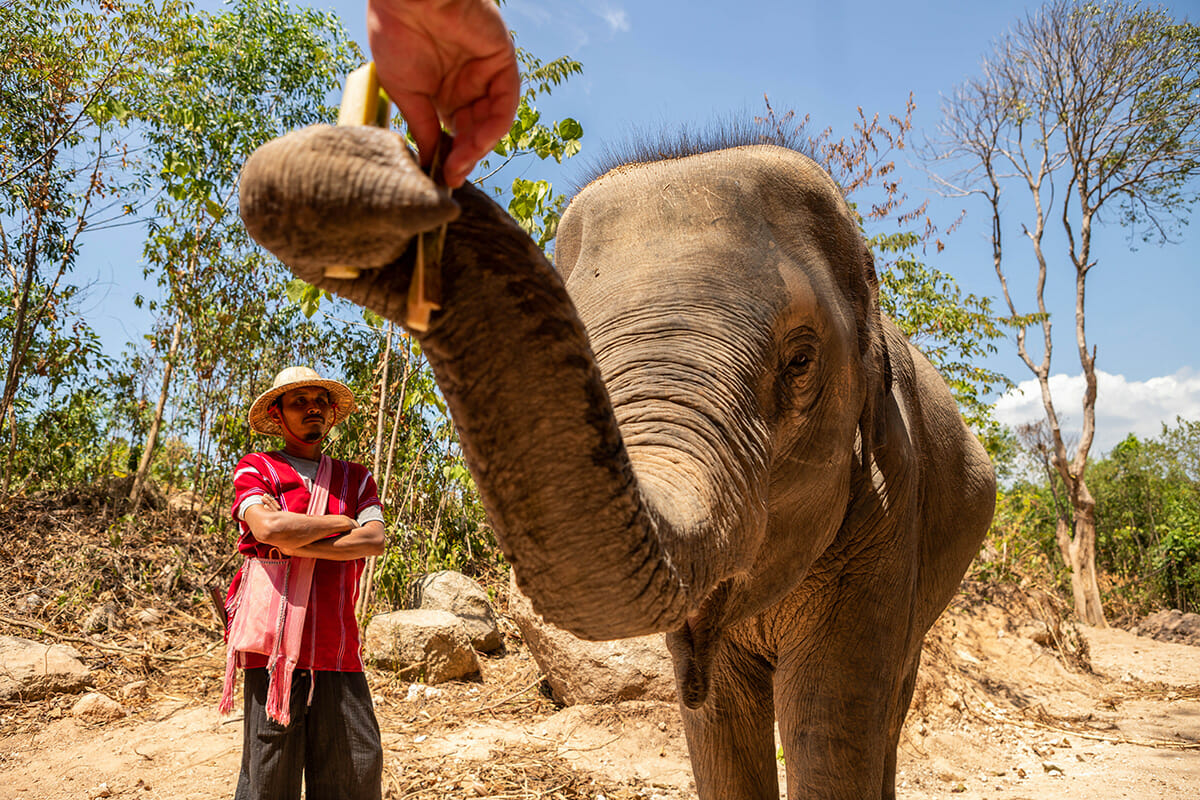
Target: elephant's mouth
695 644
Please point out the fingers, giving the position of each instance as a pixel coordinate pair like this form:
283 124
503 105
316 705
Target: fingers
483 122
450 62
423 123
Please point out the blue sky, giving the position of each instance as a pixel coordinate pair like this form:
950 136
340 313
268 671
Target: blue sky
661 63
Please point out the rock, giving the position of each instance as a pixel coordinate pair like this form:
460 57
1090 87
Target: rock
103 617
31 670
1037 631
465 599
419 691
1172 626
137 690
30 604
421 645
96 707
582 672
148 617
186 502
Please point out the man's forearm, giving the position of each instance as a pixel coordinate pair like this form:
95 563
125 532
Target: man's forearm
358 543
288 530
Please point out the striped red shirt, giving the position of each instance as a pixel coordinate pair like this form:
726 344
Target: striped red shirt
331 640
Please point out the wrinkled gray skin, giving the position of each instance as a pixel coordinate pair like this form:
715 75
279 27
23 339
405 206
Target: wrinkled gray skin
672 443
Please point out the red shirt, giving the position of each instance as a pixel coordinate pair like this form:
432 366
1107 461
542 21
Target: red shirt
331 640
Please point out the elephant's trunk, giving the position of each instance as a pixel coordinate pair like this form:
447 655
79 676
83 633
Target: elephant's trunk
605 545
600 552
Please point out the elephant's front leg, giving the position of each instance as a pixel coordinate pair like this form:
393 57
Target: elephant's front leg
842 688
731 737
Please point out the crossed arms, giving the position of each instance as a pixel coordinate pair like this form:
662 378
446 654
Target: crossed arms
334 537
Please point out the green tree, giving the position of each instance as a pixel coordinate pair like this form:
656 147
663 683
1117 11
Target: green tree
1148 517
236 80
1105 99
68 72
533 203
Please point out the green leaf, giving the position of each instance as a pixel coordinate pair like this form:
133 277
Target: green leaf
215 209
569 128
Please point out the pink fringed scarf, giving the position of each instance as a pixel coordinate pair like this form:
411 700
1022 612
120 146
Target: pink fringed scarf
268 614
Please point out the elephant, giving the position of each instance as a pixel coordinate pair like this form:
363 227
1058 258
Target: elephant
697 422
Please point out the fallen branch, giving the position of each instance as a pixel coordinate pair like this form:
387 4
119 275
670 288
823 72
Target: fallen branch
512 696
109 648
1162 744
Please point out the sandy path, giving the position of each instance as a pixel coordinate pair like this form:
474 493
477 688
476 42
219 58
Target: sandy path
1035 731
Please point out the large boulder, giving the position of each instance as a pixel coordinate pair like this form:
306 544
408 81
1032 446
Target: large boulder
432 646
464 598
31 670
582 672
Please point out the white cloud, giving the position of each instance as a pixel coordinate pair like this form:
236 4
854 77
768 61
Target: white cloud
575 22
614 16
534 12
1122 406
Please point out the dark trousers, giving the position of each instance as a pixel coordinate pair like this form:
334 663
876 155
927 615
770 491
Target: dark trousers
334 743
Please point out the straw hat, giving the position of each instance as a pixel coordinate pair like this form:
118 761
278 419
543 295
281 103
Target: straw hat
295 378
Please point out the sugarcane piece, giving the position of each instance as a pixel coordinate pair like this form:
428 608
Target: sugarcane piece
364 102
425 290
417 308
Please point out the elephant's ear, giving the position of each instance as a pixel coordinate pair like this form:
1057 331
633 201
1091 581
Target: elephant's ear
872 344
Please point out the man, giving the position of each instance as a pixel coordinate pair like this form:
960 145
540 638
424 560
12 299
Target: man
332 737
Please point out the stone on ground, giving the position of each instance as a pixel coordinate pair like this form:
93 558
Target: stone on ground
432 646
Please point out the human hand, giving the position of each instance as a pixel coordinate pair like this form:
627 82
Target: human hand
448 62
270 503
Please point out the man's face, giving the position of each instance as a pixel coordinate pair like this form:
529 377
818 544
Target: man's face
307 412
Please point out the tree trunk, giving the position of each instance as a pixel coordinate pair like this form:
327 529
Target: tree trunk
1084 586
139 480
380 416
12 449
1082 558
20 340
366 581
1062 535
397 424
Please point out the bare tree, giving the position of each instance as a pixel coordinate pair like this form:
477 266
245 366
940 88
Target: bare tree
1102 100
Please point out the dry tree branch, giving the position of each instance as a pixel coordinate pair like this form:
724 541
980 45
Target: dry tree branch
110 648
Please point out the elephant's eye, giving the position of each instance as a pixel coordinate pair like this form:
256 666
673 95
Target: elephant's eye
798 365
799 361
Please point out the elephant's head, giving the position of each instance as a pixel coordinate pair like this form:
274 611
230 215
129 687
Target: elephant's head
694 430
732 307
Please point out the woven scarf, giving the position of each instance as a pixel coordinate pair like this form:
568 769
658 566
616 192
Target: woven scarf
269 611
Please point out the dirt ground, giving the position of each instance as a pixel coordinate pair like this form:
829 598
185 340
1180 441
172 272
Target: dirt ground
996 716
